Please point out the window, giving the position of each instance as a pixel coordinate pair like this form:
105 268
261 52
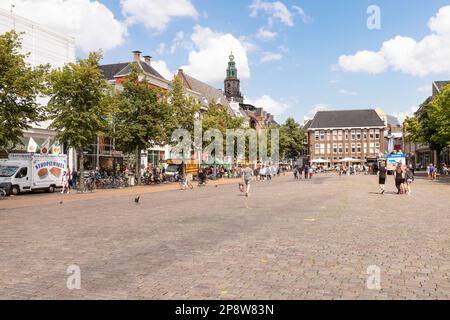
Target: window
322 135
346 135
328 135
346 148
335 148
322 148
353 135
365 147
377 147
335 135
340 135
372 134
365 134
377 134
328 148
341 148
353 148
22 173
358 134
358 148
372 148
317 148
316 133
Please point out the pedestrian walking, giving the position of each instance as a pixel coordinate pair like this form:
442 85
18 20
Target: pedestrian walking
247 174
306 169
65 183
75 180
382 175
399 179
409 180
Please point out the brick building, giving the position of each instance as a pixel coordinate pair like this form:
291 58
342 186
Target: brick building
337 137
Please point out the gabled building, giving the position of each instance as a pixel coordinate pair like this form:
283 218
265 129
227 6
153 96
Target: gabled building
203 91
117 72
335 136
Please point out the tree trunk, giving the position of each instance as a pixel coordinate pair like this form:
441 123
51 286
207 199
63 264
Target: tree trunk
138 166
81 169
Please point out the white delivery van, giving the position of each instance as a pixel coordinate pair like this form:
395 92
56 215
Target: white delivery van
27 172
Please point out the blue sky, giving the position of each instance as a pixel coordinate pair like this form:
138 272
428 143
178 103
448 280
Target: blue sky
298 69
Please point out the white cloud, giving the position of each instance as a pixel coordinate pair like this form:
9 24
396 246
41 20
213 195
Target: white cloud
425 88
269 104
161 49
334 81
419 58
163 69
277 10
319 107
401 116
209 60
91 23
302 14
348 93
365 61
156 14
266 35
270 56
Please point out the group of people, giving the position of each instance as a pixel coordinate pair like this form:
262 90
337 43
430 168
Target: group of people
404 178
69 181
305 171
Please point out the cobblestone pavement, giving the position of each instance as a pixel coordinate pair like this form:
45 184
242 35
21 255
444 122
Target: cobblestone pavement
289 240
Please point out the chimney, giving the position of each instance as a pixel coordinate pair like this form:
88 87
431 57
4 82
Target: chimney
136 56
148 60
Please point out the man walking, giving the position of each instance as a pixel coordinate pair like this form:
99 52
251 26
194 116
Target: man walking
247 174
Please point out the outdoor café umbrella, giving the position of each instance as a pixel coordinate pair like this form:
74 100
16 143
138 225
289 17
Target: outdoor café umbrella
320 161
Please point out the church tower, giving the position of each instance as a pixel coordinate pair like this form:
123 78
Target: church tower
232 83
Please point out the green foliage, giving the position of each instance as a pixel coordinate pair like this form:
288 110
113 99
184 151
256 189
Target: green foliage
20 85
78 106
292 138
218 117
143 117
184 109
432 122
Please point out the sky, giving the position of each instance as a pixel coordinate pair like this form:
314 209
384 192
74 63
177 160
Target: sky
294 57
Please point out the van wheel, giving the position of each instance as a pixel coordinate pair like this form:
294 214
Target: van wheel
51 189
15 190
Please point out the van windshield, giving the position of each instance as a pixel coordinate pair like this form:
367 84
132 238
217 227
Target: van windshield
7 171
173 168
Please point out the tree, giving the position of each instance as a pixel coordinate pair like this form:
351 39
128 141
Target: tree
218 117
432 122
292 139
78 106
20 86
143 118
185 109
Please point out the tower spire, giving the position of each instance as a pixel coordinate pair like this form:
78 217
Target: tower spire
232 83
